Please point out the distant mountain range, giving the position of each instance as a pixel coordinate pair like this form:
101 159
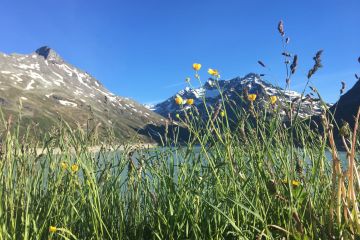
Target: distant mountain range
49 87
233 91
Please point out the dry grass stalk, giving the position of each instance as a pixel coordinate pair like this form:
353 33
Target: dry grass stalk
346 201
336 180
352 168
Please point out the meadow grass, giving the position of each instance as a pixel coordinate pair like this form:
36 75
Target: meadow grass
262 180
242 173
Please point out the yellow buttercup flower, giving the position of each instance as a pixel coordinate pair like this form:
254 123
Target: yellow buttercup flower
213 72
222 114
63 165
196 66
74 168
251 97
179 100
52 229
273 100
295 183
190 101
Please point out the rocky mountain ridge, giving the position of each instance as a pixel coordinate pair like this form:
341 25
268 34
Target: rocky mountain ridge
48 88
233 90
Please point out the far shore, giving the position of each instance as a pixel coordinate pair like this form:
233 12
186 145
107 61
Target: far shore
98 148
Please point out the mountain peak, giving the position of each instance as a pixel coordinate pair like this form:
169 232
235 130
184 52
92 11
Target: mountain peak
49 54
42 80
232 90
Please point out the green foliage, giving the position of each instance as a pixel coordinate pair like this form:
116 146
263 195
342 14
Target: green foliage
253 181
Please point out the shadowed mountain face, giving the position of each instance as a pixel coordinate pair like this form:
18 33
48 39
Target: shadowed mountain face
346 108
233 90
49 88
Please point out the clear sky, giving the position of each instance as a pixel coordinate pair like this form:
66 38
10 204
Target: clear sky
145 49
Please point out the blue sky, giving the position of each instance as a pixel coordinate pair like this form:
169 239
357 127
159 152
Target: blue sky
145 49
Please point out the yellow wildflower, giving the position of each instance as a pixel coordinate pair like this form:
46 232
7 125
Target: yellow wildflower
63 165
74 168
179 100
196 66
213 72
190 101
273 99
52 229
222 114
295 183
251 97
177 115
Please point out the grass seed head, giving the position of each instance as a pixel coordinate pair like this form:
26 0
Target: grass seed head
343 86
345 129
281 28
286 54
261 63
294 64
317 64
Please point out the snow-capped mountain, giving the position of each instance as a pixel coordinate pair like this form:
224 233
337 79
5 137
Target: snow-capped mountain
48 87
233 91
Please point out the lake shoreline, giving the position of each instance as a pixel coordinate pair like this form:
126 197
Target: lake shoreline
98 148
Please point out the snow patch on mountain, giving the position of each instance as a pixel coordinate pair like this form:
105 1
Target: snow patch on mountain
29 86
232 89
67 103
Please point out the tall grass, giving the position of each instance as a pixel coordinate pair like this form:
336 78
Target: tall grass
243 174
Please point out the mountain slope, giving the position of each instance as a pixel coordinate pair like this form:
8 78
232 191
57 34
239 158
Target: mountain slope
345 109
233 90
50 88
